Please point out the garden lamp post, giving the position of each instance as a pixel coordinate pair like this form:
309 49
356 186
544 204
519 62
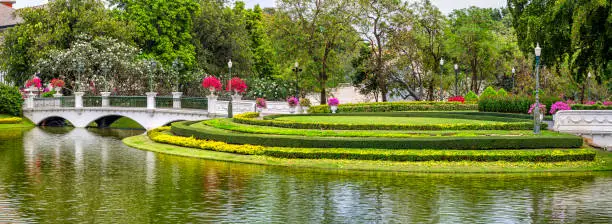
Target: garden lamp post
536 112
456 80
229 86
441 74
513 73
296 69
588 86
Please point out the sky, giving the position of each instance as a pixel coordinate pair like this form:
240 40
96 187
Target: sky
446 6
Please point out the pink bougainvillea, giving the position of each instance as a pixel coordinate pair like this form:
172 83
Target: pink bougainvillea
34 82
542 108
261 103
333 102
292 101
558 106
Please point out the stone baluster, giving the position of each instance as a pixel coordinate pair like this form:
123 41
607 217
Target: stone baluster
78 99
105 99
176 100
57 101
212 104
30 100
151 100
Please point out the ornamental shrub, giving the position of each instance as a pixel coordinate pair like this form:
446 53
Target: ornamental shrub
395 106
333 102
11 100
558 106
237 85
211 82
502 93
488 92
471 97
261 103
305 102
292 101
513 104
459 99
10 120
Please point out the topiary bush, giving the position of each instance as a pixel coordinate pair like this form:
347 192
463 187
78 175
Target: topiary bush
488 92
471 97
513 104
502 93
11 100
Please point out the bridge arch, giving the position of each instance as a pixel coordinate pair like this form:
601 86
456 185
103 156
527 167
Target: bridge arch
53 121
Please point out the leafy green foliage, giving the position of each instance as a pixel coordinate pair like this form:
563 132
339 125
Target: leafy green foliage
513 104
471 97
10 100
488 92
590 107
502 93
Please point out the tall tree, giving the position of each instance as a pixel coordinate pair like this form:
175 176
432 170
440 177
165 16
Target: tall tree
263 53
55 26
163 28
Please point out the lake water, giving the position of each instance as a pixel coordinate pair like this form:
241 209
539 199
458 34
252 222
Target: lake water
88 175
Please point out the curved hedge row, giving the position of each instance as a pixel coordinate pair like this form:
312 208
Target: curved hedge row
10 120
157 135
591 107
512 124
476 143
395 106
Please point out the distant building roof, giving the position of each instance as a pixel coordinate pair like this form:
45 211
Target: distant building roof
8 18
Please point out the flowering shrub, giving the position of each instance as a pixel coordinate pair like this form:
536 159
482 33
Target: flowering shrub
456 99
292 101
158 135
211 82
10 120
542 108
34 82
607 103
590 103
237 85
333 102
558 106
261 103
57 83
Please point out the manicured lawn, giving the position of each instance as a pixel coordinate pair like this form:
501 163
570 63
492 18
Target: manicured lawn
23 124
382 120
602 162
227 124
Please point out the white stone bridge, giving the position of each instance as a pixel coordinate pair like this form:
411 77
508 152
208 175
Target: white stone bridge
148 111
592 124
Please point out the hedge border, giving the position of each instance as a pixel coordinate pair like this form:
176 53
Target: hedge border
249 118
11 120
395 106
460 143
546 155
590 107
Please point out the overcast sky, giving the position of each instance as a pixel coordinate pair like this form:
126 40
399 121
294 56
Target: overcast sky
446 6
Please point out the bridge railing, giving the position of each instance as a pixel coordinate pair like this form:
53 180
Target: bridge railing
128 101
194 103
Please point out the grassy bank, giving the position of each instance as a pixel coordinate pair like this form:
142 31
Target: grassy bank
603 161
24 123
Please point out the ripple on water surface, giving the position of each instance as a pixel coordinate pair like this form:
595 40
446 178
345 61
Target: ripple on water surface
80 175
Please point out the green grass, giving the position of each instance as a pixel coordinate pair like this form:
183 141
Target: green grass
381 120
227 124
25 123
603 161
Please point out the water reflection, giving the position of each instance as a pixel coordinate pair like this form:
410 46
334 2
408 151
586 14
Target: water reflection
80 175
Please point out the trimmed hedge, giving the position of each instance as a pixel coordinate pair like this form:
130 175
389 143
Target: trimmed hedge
10 100
591 107
158 135
513 104
513 124
395 106
476 143
10 120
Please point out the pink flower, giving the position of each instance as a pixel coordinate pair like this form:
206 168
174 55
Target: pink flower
261 103
607 103
333 102
292 101
237 85
211 82
590 103
542 108
558 106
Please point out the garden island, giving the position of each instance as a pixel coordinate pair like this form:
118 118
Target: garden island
305 111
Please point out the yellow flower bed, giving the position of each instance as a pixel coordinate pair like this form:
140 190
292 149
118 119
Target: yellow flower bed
157 135
10 120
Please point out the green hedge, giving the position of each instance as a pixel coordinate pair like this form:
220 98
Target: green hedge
10 100
512 123
513 104
434 155
395 106
476 143
159 135
591 107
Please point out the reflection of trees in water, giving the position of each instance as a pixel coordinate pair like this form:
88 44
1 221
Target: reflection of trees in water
86 177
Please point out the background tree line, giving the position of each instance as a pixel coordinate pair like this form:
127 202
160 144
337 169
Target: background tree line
389 48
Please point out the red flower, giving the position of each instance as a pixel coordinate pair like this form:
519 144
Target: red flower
457 99
57 83
238 85
211 82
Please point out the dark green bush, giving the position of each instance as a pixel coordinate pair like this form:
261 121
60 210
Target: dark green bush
513 104
434 155
476 143
511 123
10 100
395 106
